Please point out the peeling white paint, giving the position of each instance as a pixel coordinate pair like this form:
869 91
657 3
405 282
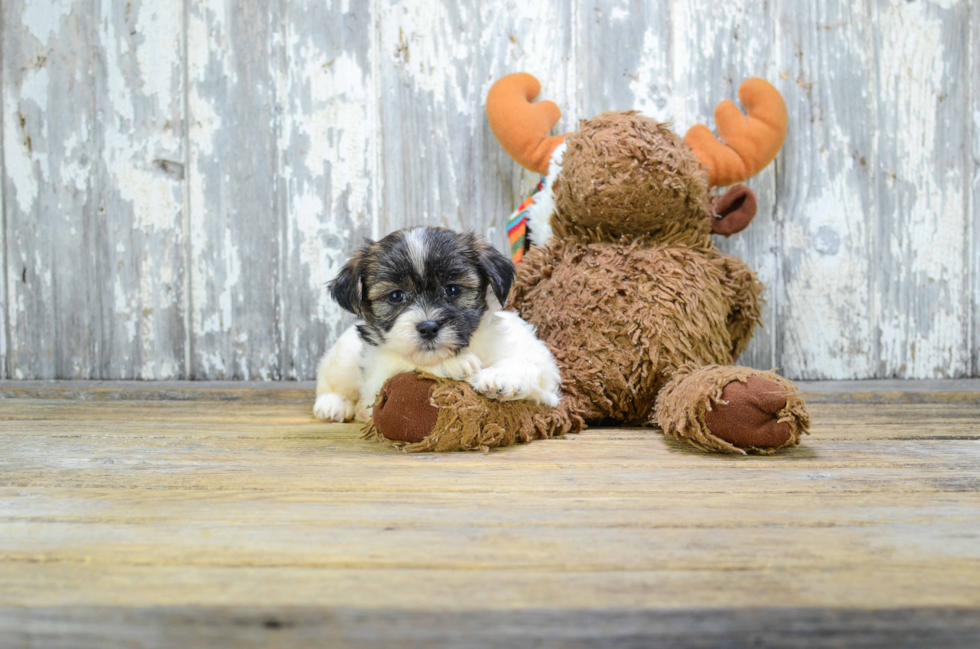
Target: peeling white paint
335 128
19 125
924 322
43 19
619 14
160 28
651 72
327 135
830 292
147 197
379 123
424 40
4 278
825 307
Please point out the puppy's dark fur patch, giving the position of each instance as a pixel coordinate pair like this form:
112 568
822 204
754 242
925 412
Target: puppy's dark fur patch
426 273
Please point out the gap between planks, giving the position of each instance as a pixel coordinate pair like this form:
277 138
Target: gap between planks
865 391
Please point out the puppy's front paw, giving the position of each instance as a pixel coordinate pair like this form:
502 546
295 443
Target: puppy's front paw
333 407
501 385
363 412
459 368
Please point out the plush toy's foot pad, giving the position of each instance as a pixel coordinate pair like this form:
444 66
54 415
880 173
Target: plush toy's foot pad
419 412
748 414
404 411
732 409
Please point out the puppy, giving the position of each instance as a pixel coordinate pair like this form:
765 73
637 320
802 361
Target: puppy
430 299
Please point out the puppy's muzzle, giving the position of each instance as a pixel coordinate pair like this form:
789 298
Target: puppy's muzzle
428 330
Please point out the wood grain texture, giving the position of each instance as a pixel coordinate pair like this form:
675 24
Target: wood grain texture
328 180
922 239
256 626
51 149
239 517
4 320
180 180
438 59
974 58
235 226
825 210
93 203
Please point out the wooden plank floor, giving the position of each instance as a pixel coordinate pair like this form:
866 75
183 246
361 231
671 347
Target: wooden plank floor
181 514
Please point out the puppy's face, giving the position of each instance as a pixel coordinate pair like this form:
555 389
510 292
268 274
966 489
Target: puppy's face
422 292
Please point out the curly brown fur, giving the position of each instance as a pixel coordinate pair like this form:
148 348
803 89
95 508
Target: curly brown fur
622 317
625 174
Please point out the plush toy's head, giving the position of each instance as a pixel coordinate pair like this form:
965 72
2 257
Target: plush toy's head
623 174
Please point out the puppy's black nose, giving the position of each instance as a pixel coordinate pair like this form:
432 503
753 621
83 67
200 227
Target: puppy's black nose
428 329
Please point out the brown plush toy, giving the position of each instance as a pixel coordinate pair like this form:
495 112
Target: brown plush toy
644 314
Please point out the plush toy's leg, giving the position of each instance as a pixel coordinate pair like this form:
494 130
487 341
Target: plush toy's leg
732 409
423 413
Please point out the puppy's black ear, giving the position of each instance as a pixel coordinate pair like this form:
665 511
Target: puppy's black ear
346 287
498 270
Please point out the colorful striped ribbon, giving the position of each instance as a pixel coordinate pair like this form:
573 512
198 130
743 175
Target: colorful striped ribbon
517 226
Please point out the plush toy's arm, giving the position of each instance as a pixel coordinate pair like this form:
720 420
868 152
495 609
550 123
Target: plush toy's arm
422 413
745 294
534 267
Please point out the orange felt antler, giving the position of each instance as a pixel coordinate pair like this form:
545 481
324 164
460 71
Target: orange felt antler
522 127
750 142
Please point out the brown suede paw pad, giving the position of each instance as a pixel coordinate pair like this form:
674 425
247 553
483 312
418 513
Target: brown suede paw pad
404 410
750 416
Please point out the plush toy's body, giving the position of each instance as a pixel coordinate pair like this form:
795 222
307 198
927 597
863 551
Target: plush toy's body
643 313
621 319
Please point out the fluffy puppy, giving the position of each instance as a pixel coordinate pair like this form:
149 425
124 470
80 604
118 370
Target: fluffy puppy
430 299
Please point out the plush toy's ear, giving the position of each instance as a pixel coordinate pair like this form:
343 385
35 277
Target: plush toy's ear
345 288
498 270
734 210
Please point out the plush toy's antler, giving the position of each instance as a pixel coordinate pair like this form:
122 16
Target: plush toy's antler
750 142
522 127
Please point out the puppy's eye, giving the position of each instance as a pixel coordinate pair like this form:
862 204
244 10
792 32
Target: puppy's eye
452 290
396 297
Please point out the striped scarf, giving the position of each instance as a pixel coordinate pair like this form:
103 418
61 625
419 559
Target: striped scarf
517 226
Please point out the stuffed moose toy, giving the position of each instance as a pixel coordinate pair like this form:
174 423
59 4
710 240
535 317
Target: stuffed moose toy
645 316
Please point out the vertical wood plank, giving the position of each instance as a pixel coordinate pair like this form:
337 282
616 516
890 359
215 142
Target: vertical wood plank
327 173
93 205
235 226
140 184
825 189
625 53
922 247
440 161
4 323
51 139
717 46
973 53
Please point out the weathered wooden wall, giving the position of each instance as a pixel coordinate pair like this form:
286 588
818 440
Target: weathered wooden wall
180 179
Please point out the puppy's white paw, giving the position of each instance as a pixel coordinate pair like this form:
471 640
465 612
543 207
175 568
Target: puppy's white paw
363 412
501 385
333 407
549 399
459 368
